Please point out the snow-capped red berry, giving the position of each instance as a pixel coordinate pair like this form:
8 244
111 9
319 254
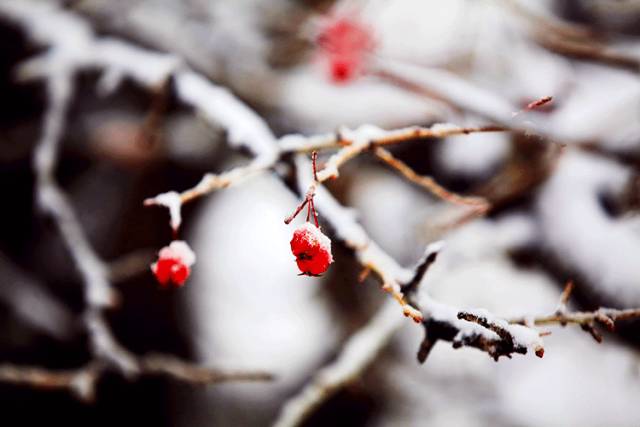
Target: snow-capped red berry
174 264
345 43
312 249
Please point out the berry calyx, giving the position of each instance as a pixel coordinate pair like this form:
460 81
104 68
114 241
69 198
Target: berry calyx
312 250
174 264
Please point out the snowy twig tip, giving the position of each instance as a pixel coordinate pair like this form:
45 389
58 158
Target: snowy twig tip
171 201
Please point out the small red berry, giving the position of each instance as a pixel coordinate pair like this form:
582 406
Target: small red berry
342 70
174 264
312 249
345 43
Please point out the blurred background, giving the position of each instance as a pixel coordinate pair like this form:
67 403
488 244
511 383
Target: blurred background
564 190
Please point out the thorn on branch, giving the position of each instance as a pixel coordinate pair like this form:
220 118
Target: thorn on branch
429 258
425 347
591 329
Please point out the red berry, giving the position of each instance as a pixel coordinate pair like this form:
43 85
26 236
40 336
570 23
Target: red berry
345 36
162 270
179 273
345 42
312 249
174 264
342 70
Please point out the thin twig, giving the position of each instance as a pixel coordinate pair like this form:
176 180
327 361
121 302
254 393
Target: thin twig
583 317
430 184
587 320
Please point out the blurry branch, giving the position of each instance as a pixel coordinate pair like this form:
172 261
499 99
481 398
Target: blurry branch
32 303
58 67
550 23
184 371
572 40
588 51
356 354
82 382
130 265
52 200
453 89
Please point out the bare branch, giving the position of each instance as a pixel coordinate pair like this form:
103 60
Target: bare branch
32 303
81 382
130 265
187 372
478 203
606 316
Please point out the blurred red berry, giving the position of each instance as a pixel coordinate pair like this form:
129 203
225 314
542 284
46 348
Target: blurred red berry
312 249
174 264
342 70
345 43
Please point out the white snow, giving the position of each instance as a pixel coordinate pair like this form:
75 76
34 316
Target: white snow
171 200
179 249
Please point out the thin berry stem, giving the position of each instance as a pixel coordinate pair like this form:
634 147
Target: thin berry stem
314 158
301 206
308 198
315 214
